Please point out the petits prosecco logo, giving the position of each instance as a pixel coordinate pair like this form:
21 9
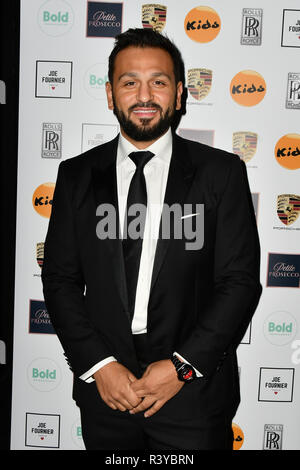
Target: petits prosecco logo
283 270
104 19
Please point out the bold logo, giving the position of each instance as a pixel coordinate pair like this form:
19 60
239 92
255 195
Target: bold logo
287 151
97 134
248 88
199 83
251 26
51 140
202 24
280 328
290 28
44 374
244 145
76 434
283 270
276 384
273 437
154 16
42 199
39 320
55 17
42 430
288 208
238 436
53 79
104 20
94 81
293 91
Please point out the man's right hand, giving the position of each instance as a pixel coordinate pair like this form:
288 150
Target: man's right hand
114 386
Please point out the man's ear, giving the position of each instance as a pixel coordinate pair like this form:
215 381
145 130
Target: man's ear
179 91
110 102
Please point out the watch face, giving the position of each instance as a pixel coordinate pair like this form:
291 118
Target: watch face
187 373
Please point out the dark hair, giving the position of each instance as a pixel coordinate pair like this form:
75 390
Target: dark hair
140 37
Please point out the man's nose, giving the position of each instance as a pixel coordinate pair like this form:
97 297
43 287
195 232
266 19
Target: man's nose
144 93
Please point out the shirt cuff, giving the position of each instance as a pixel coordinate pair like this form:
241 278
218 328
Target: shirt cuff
87 376
184 360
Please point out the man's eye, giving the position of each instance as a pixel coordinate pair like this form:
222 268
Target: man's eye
129 83
159 82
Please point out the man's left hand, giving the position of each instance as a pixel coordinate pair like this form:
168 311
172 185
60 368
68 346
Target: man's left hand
158 384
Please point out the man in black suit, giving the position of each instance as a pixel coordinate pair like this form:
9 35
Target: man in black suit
150 320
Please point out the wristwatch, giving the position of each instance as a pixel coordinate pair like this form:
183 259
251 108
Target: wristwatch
185 372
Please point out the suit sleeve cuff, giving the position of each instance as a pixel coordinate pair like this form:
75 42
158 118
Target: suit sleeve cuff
198 374
87 376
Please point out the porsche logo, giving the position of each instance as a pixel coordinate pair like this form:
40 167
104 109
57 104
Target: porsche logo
154 16
199 83
244 145
288 208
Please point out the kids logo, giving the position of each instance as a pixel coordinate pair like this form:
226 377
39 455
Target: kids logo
42 199
287 151
199 83
55 17
154 16
248 88
238 436
202 24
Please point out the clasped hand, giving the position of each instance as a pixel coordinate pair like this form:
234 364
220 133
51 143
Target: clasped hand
121 390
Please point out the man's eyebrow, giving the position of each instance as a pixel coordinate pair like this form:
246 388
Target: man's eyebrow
134 74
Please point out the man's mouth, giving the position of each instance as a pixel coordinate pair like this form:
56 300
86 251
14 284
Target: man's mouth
145 113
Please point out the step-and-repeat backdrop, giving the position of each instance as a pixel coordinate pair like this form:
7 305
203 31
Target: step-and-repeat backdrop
243 79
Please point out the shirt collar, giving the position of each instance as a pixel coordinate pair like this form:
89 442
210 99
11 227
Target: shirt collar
162 148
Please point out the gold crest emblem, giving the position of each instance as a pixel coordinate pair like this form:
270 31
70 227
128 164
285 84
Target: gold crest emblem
244 145
199 83
40 253
154 16
288 208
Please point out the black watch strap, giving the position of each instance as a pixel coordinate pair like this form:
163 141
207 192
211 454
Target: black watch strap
185 372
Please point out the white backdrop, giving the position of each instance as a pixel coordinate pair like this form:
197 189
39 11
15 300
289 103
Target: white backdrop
63 111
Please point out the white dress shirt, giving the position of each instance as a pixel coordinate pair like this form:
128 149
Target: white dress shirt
156 175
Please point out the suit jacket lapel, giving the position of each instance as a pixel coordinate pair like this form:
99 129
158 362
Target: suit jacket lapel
104 182
181 173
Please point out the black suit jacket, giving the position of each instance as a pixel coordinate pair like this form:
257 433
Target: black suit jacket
201 301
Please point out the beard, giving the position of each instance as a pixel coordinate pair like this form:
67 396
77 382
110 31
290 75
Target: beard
145 132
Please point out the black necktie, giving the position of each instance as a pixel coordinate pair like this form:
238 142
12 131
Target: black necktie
133 239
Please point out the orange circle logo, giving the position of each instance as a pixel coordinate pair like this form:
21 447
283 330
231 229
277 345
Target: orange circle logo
287 151
248 88
202 24
42 199
238 437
